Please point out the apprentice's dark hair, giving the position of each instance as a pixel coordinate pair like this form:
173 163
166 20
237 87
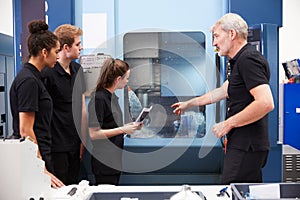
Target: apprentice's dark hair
39 38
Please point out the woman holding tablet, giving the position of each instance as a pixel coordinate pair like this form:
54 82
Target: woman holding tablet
106 127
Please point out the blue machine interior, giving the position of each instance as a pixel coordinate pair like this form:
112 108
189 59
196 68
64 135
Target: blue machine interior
167 67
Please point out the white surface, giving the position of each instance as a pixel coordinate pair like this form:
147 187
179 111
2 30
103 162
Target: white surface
95 30
267 191
22 173
209 191
287 149
6 16
289 39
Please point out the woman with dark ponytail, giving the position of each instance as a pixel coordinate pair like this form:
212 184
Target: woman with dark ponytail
31 104
106 127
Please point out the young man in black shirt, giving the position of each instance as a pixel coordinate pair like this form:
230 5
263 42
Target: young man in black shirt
65 84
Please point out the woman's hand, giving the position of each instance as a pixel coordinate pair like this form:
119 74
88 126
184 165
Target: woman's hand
55 182
131 127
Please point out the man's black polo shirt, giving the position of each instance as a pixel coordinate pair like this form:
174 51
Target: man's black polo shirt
28 94
249 68
67 105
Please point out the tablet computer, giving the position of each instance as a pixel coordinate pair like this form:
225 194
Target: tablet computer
143 114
